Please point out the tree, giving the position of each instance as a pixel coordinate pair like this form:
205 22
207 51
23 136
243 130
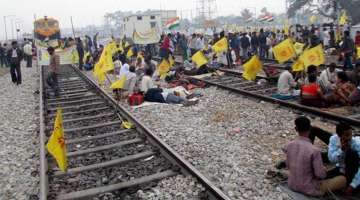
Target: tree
327 8
246 14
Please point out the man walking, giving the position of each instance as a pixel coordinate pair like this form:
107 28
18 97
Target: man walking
28 54
15 55
54 66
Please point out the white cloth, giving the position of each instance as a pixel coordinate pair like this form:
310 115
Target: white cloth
146 84
285 83
327 79
199 44
117 64
14 54
28 49
124 70
326 38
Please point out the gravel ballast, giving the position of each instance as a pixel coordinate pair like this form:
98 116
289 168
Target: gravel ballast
18 136
232 140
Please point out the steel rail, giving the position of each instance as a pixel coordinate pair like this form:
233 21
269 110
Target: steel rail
185 167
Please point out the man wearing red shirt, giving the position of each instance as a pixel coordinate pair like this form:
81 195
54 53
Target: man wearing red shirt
165 46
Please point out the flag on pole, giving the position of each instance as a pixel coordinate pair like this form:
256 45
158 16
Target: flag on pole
343 18
129 53
199 59
252 68
314 56
284 51
172 23
119 84
56 145
105 62
220 46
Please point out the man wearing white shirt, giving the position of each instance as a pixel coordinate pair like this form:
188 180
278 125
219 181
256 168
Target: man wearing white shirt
328 78
28 54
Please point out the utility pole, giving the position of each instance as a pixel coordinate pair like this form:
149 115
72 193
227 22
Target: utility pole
5 28
72 26
12 29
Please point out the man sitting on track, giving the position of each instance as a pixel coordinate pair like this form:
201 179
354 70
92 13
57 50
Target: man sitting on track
344 150
343 90
286 85
311 94
306 169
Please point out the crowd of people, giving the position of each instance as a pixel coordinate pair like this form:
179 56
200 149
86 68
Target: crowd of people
12 55
314 87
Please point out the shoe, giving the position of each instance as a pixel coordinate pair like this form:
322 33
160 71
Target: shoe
191 102
280 165
190 96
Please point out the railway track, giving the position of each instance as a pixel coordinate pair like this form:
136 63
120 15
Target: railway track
104 159
232 80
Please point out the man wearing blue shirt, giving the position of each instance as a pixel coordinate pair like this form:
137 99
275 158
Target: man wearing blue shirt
344 151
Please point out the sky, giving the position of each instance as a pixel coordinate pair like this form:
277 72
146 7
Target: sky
90 12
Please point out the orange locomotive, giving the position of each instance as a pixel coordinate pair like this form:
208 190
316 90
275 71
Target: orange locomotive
46 29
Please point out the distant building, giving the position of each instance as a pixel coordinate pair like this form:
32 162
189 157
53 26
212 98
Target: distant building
166 15
143 23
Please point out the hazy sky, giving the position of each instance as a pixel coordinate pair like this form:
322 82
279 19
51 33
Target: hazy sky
87 12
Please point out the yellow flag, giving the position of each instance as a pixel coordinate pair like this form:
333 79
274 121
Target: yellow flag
108 64
251 68
126 44
220 46
284 51
98 69
74 56
164 67
314 56
299 47
129 53
358 52
343 19
312 19
298 65
119 84
127 125
56 145
87 54
199 59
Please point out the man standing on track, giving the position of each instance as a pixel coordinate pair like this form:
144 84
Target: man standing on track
54 66
80 50
15 55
